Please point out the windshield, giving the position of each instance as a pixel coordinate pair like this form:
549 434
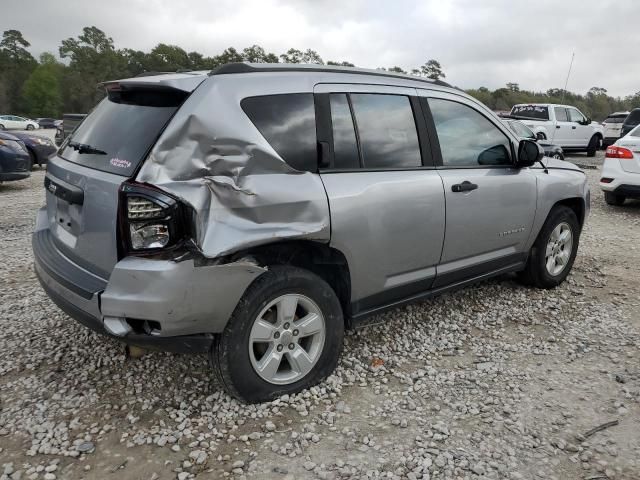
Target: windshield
521 130
120 130
535 112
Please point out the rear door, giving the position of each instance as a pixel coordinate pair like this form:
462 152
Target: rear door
385 197
490 204
83 180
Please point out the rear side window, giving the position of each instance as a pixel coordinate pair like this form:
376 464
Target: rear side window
117 134
288 123
387 130
467 138
535 112
561 114
345 145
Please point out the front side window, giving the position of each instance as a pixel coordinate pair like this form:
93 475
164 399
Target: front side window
561 114
467 138
575 116
288 123
345 145
387 130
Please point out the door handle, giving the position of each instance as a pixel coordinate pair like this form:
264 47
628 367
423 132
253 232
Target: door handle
465 186
573 128
557 126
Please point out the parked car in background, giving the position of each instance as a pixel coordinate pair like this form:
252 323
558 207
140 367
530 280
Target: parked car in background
14 158
563 125
612 126
522 131
621 169
17 123
631 122
69 123
40 148
256 211
48 122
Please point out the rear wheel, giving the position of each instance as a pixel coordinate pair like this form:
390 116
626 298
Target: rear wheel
554 251
285 335
613 199
594 144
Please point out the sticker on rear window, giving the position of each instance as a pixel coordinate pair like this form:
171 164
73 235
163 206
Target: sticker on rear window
120 163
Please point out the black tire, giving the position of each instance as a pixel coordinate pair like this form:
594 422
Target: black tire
540 136
594 143
535 272
30 127
229 355
2 127
612 199
32 160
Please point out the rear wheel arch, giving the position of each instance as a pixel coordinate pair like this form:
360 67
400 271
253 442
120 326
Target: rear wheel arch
328 263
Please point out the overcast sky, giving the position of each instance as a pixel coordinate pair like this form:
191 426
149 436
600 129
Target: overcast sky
478 42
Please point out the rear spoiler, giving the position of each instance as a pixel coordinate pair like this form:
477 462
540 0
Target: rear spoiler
184 81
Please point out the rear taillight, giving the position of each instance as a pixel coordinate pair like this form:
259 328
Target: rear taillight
619 152
150 220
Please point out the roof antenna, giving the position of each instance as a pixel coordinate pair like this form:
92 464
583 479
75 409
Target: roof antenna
564 91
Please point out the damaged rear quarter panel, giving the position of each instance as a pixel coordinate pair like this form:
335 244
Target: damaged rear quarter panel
213 158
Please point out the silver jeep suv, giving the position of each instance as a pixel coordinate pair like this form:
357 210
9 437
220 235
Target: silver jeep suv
256 211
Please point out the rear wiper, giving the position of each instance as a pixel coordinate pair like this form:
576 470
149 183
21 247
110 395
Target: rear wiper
84 148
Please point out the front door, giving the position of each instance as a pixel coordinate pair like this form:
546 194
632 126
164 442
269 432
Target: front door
580 132
385 196
490 204
561 134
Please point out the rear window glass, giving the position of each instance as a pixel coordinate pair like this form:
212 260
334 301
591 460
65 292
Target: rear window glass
633 118
117 134
615 119
288 123
535 112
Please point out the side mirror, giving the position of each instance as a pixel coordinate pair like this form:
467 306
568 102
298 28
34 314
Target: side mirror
529 152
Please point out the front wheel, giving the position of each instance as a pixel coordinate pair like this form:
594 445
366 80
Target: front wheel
541 136
285 335
594 144
30 127
612 199
2 127
554 251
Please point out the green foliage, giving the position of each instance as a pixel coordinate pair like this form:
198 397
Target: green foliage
41 92
595 104
48 88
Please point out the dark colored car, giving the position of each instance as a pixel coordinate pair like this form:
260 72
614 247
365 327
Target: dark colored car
69 123
631 122
520 129
38 147
48 122
14 159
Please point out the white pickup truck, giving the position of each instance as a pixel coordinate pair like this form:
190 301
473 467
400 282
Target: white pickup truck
562 125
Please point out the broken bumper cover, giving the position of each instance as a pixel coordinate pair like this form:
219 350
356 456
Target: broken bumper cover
186 304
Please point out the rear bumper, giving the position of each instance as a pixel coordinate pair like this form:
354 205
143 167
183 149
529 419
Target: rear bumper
180 305
629 191
621 180
9 176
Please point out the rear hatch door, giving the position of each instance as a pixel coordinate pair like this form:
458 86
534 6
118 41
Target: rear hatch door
106 149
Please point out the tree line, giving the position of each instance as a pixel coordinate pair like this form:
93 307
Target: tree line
47 87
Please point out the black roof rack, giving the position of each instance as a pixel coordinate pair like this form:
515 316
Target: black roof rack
240 67
151 74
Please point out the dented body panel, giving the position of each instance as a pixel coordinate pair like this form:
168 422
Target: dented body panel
243 194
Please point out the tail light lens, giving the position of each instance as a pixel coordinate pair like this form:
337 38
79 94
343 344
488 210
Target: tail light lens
619 152
150 220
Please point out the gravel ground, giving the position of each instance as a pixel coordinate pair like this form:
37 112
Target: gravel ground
494 381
